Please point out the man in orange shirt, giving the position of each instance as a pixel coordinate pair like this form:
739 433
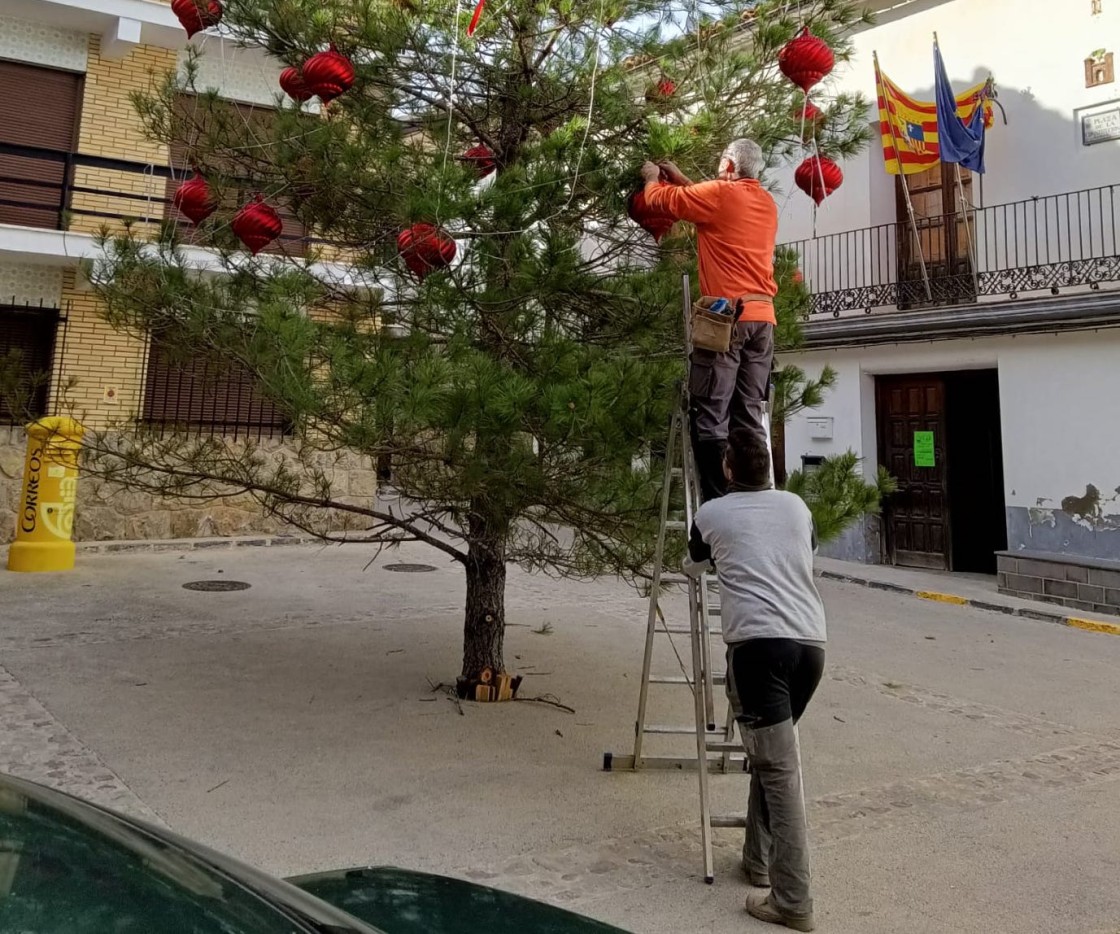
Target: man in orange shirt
736 227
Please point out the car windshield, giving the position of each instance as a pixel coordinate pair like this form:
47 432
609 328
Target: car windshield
78 870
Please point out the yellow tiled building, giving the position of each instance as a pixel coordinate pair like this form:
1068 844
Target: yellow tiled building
74 159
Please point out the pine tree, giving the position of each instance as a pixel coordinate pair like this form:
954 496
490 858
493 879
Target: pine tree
517 391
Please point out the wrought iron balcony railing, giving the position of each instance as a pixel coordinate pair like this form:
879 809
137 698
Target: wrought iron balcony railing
1049 245
59 190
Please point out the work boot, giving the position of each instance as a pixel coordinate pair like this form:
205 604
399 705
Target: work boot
709 465
759 906
776 763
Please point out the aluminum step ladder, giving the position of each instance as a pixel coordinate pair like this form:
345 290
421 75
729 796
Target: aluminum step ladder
717 748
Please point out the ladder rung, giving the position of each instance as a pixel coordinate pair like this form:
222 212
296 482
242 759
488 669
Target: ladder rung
681 679
713 610
729 820
681 730
685 631
717 746
675 525
673 579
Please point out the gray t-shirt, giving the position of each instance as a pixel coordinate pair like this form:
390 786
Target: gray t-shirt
762 546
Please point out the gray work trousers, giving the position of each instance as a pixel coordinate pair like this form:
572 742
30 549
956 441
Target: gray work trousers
769 685
728 390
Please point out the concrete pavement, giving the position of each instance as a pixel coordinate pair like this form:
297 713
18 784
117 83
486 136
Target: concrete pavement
962 765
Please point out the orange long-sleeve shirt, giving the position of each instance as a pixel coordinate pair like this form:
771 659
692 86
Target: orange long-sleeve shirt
736 227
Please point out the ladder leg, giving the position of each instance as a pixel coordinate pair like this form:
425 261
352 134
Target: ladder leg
655 591
706 658
699 635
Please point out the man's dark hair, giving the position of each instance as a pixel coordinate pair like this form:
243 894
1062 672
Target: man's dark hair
749 459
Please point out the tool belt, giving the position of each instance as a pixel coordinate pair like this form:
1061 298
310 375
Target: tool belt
712 331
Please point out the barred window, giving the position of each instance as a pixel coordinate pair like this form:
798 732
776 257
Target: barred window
206 395
27 337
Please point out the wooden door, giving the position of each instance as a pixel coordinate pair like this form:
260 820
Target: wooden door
942 237
916 518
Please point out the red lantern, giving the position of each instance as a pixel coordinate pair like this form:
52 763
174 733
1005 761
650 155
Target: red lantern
197 15
328 74
425 248
195 200
482 158
805 60
810 113
257 224
818 177
655 222
663 90
292 84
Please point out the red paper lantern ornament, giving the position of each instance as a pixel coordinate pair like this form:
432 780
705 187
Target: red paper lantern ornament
482 158
818 177
197 15
655 222
257 224
195 200
806 59
662 91
810 113
292 84
328 74
425 248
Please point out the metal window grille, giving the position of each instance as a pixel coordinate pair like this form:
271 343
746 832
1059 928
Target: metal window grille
27 353
207 395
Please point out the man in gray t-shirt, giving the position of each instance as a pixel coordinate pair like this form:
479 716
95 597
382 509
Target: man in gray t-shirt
761 541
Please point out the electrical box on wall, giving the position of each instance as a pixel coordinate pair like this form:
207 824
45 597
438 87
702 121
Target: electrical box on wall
820 427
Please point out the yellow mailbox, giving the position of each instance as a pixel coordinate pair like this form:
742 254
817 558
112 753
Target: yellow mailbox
45 521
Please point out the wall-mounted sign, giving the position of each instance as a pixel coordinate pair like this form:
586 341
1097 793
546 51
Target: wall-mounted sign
1100 127
1099 69
923 449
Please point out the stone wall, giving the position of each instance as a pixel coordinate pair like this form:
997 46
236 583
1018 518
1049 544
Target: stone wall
107 512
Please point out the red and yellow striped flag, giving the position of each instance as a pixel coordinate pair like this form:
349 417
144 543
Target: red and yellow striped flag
909 126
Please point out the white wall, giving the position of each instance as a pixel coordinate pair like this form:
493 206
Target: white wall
1035 49
1058 403
42 44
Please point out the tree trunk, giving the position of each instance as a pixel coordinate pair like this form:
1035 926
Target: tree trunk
485 624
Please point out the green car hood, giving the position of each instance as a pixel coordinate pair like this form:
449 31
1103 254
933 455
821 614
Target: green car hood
403 902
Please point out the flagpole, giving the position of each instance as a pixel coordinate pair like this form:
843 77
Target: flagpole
882 88
964 210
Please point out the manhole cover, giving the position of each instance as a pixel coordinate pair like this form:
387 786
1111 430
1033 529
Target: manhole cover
410 568
216 586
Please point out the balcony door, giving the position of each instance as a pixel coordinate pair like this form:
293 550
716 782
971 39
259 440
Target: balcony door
942 237
39 111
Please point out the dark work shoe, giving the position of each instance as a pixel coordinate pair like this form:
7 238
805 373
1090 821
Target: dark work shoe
758 906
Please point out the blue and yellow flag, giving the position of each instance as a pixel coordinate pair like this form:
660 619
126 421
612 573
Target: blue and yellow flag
911 141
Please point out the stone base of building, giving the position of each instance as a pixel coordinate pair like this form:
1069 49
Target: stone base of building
1091 585
108 512
861 542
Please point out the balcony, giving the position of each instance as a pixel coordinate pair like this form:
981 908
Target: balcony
50 189
1058 245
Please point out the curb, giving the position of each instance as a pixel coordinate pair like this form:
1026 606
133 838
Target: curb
192 544
1074 622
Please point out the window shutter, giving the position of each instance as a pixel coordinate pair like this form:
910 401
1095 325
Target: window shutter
32 187
183 149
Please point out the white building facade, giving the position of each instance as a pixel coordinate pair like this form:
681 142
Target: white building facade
1011 359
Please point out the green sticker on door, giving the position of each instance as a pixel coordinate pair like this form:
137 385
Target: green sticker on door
923 449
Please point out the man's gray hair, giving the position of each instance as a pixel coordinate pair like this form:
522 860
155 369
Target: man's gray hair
745 156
